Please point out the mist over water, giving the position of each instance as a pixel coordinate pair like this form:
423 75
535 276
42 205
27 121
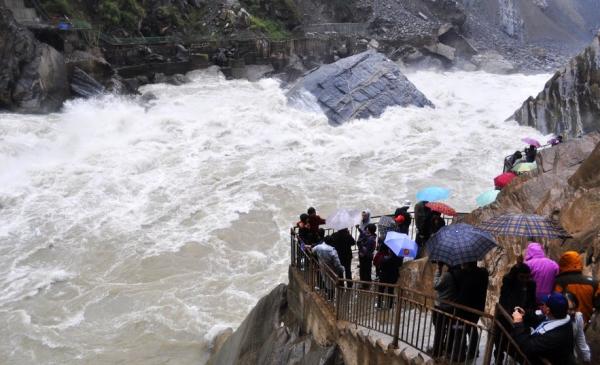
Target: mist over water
132 231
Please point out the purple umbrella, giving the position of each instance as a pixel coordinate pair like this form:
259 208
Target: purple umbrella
532 142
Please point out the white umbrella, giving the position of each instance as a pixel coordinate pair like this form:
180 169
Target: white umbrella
401 244
344 218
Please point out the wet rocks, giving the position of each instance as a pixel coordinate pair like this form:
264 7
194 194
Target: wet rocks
570 101
33 76
270 335
360 86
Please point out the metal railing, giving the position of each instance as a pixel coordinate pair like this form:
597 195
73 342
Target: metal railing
445 331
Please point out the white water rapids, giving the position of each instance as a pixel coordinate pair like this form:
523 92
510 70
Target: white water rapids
130 232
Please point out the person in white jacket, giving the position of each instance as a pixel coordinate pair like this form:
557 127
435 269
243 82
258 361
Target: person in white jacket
582 350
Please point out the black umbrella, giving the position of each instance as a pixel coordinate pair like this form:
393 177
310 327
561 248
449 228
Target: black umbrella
459 243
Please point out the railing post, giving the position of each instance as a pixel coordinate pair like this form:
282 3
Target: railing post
293 253
489 346
338 299
397 319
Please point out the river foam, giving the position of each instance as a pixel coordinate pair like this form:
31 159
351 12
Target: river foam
133 231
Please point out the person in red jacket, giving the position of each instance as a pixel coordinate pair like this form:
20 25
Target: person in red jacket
314 221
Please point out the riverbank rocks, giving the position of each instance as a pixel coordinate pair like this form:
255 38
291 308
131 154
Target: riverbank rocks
570 102
357 87
269 336
33 75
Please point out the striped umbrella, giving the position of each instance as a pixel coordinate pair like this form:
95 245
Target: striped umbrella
442 208
459 243
523 225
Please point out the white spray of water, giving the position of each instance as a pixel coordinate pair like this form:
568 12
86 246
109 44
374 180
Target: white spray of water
133 232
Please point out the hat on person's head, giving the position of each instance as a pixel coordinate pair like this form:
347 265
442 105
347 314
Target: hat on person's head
570 261
406 203
399 219
558 304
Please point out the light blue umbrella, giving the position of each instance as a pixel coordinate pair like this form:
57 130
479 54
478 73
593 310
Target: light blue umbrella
433 193
401 244
487 198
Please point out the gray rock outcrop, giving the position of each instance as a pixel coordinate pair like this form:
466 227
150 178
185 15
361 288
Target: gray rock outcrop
570 101
268 336
33 75
356 87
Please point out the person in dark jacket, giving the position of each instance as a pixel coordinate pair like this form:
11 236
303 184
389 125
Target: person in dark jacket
511 160
303 229
388 265
343 241
423 225
445 285
530 153
436 223
552 338
518 290
404 227
472 291
314 221
366 248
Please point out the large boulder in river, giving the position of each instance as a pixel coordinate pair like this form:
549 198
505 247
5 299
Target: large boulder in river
360 86
570 101
33 75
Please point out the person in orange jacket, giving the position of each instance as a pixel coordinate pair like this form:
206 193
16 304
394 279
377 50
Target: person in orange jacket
571 279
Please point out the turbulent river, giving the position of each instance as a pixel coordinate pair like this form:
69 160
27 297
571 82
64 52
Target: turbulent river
131 232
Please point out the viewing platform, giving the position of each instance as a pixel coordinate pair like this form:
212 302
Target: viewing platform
374 322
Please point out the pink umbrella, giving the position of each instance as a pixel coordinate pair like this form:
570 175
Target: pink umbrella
532 142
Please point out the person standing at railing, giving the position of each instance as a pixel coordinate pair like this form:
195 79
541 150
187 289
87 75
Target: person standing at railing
472 292
388 270
366 247
552 338
518 290
423 225
445 285
314 221
343 241
543 269
511 161
327 256
303 229
404 225
530 153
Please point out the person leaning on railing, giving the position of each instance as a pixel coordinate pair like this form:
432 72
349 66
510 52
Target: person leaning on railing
552 340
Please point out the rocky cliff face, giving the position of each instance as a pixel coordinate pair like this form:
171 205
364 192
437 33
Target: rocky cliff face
33 76
271 335
570 101
360 86
567 188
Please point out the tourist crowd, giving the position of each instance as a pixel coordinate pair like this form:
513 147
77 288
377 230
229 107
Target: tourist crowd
552 303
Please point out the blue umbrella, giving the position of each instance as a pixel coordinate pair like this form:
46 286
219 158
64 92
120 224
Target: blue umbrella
487 198
401 244
433 193
459 243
